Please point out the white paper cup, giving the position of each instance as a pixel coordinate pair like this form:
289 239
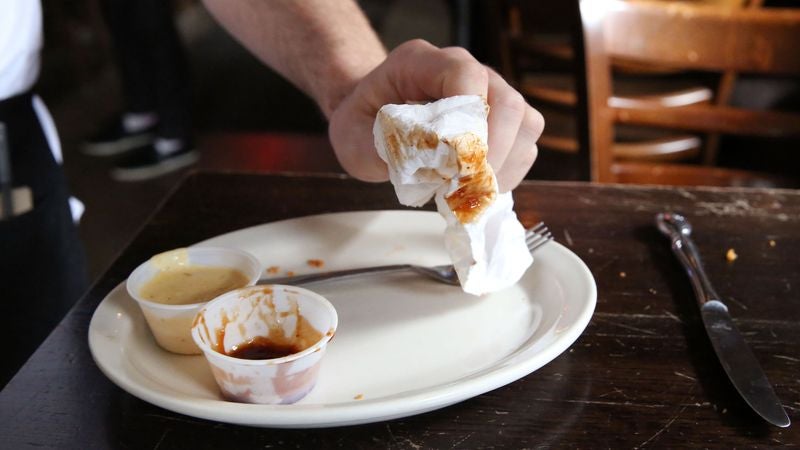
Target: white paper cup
171 325
275 313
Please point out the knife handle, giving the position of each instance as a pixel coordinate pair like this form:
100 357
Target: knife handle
678 229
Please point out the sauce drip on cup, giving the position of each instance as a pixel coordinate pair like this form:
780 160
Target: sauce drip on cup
264 344
171 287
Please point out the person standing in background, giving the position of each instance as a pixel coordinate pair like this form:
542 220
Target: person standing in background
42 261
154 131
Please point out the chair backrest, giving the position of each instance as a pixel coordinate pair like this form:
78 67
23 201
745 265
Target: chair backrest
690 37
540 53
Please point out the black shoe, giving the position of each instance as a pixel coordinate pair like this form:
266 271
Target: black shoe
115 139
148 162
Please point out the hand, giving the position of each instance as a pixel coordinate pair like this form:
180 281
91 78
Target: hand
419 71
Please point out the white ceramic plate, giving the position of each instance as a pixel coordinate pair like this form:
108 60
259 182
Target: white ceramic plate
405 345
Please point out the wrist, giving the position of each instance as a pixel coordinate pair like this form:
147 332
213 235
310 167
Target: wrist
341 79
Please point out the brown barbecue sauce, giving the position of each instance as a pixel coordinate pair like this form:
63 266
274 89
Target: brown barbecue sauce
263 348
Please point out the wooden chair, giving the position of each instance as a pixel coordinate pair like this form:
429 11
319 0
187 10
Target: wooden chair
690 37
550 31
537 43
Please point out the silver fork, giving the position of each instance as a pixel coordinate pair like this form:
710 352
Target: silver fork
535 237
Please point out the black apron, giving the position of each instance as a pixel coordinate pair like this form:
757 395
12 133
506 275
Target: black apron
42 262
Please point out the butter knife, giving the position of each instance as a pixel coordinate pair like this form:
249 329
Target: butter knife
733 352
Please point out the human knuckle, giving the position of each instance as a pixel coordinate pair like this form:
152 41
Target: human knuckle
458 56
458 52
469 69
534 121
531 154
514 101
412 45
416 42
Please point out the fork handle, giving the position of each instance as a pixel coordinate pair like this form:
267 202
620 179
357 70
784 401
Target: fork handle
335 274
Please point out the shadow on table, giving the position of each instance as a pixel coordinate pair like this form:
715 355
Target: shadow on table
717 388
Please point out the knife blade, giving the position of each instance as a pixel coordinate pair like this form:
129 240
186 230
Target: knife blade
736 357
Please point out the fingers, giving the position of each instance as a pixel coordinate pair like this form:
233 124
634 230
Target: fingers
350 133
415 71
507 107
514 128
421 71
523 151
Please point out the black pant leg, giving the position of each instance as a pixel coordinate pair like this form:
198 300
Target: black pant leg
42 261
134 60
152 61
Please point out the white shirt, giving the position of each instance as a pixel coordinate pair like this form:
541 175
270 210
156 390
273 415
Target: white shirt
20 43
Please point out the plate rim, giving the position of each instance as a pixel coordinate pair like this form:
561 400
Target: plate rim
364 411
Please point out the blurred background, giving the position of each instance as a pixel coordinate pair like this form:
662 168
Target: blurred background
243 113
241 109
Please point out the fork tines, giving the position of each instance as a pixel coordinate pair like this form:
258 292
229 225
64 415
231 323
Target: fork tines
537 236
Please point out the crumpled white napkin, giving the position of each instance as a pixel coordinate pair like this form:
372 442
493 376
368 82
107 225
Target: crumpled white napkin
439 149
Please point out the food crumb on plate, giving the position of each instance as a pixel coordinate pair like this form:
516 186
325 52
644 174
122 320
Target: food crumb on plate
316 263
358 397
272 270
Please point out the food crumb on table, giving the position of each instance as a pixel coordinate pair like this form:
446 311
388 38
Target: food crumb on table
623 274
772 243
731 255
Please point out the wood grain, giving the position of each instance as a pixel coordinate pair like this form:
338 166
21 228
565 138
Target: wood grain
686 36
642 374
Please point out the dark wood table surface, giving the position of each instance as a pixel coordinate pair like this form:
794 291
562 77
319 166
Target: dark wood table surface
643 374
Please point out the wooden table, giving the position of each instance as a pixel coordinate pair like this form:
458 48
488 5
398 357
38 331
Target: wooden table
643 374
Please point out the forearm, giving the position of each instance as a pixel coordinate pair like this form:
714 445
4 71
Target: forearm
324 47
